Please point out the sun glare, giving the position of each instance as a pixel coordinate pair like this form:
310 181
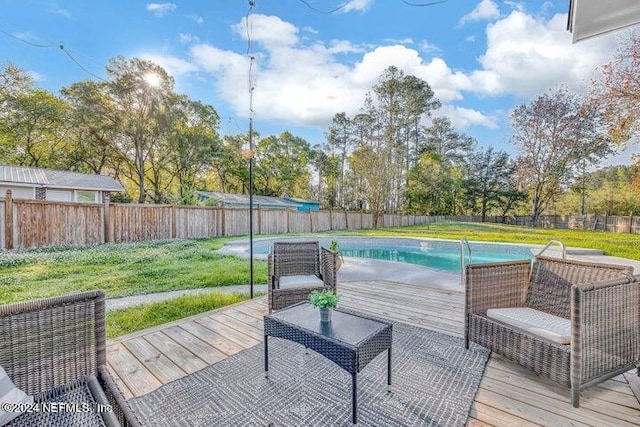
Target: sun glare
152 79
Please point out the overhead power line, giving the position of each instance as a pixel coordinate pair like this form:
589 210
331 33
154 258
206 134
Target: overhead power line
61 47
327 12
423 4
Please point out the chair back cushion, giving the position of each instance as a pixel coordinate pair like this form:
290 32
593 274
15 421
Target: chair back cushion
12 395
296 259
551 280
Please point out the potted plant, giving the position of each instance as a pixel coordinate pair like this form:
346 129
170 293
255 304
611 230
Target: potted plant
325 301
334 247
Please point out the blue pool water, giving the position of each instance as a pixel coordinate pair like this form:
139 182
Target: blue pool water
447 259
440 255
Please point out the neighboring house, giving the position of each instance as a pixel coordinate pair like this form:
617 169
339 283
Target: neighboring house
304 205
242 200
55 185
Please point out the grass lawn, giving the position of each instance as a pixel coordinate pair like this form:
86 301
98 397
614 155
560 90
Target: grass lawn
126 320
614 244
122 269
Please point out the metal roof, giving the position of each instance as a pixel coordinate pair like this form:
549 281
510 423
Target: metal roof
57 179
243 199
297 200
588 18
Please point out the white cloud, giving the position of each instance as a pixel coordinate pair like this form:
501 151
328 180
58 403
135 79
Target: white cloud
526 56
271 31
196 18
485 10
357 5
57 10
188 38
463 118
427 47
407 40
470 39
304 81
161 9
173 66
37 77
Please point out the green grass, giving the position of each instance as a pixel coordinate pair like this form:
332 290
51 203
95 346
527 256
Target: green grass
614 244
126 320
122 269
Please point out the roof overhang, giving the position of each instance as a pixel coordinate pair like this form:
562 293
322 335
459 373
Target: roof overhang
588 18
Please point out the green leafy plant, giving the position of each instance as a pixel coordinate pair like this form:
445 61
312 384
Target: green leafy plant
324 299
334 247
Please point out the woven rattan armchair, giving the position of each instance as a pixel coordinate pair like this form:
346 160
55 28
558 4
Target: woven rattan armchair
600 302
55 350
291 261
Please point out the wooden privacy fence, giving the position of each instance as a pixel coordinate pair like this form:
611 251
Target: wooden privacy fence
610 223
36 223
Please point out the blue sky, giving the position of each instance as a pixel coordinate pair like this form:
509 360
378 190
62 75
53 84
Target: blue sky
482 58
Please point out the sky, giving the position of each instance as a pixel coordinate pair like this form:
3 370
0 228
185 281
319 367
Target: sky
481 58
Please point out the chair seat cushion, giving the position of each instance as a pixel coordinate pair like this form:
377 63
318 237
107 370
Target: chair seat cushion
311 281
545 325
11 394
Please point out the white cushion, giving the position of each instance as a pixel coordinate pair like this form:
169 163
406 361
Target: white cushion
554 328
9 393
288 282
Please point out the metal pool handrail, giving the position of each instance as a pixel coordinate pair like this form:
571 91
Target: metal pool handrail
464 242
551 242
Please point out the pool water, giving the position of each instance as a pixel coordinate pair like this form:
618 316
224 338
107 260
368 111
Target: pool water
438 254
447 259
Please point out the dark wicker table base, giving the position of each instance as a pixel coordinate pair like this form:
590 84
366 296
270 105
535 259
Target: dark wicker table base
351 351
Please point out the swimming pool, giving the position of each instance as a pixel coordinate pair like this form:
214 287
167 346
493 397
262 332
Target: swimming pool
437 254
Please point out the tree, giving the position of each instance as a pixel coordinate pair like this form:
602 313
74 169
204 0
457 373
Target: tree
93 128
282 166
339 140
617 92
33 127
193 143
370 163
487 179
142 92
555 133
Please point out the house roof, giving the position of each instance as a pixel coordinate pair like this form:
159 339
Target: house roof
301 201
50 178
243 200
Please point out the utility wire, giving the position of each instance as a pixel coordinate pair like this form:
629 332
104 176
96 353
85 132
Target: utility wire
75 61
422 4
61 47
27 41
326 12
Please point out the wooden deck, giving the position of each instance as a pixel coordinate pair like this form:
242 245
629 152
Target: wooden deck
508 396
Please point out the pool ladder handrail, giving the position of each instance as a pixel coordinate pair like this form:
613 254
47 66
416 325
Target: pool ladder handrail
551 243
464 241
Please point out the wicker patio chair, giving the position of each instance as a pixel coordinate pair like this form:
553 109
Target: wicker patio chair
298 268
600 305
55 350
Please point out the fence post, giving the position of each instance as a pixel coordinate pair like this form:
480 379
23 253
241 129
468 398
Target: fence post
174 220
106 207
223 220
259 213
330 220
310 222
288 221
630 222
8 220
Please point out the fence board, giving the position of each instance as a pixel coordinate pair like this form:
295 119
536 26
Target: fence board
321 221
138 223
197 222
3 243
236 222
39 223
273 221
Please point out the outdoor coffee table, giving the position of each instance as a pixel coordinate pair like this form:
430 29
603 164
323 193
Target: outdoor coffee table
350 341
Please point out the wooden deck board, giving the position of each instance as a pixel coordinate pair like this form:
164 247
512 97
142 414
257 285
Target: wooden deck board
509 395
